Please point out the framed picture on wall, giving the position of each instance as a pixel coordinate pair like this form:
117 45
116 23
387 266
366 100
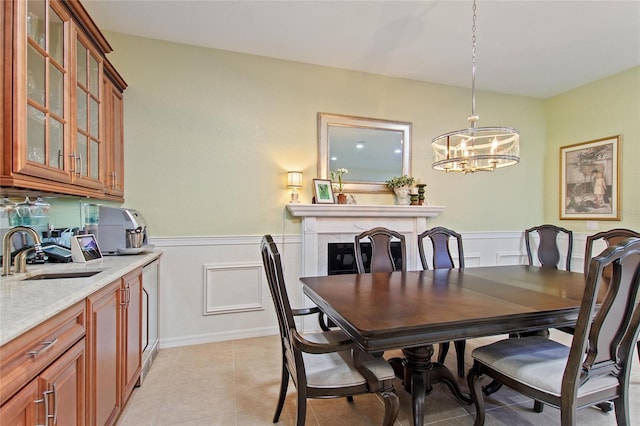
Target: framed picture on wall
322 191
590 180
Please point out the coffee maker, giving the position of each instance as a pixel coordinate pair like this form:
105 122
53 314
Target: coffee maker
119 230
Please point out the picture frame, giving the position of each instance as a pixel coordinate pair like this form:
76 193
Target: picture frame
323 191
590 180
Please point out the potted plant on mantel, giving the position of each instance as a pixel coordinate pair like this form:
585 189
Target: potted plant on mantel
337 175
401 186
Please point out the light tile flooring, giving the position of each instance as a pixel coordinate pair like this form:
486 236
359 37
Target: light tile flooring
237 382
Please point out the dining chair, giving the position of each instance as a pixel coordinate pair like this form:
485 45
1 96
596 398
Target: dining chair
548 249
595 368
381 260
325 364
610 237
442 259
381 257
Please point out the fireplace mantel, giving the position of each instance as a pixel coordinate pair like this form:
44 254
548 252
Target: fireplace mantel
325 223
354 210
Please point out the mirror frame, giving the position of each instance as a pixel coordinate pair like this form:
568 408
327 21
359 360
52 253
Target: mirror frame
326 119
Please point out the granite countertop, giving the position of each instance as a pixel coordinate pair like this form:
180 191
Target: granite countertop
25 304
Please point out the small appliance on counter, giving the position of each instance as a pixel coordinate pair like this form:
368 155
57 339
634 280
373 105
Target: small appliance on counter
119 231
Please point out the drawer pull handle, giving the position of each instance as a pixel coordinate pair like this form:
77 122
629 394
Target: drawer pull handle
123 301
47 345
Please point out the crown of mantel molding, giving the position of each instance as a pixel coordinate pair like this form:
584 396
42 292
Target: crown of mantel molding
354 210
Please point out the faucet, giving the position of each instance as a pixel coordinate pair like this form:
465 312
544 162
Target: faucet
21 259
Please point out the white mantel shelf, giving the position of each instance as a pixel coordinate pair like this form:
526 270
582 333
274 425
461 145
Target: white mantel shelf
354 210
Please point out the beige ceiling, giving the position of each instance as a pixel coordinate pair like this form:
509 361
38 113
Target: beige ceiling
536 48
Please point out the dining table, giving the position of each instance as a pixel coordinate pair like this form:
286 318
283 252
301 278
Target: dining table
413 310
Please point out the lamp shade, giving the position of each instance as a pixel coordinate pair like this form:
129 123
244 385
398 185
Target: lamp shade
294 179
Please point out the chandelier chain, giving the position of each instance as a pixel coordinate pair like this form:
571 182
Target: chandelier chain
473 118
476 149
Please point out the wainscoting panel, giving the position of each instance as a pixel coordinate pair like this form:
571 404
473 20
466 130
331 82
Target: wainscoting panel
233 288
214 288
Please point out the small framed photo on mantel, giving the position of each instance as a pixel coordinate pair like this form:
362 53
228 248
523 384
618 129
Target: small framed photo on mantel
322 191
590 180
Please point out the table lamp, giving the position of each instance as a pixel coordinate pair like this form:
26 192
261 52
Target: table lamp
294 181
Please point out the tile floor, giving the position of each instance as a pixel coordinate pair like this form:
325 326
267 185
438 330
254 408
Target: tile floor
237 382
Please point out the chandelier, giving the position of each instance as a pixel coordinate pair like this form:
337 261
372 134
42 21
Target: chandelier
476 148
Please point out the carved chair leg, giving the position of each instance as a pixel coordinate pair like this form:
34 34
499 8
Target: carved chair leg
284 384
622 409
492 387
568 415
391 407
538 406
605 407
350 398
476 393
323 321
460 346
301 415
442 353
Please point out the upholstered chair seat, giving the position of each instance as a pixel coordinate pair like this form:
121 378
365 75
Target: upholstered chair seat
537 361
337 369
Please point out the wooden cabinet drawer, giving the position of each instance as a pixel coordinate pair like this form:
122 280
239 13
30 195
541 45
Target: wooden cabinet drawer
24 357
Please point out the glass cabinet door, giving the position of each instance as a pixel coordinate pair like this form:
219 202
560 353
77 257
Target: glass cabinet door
58 122
88 99
46 84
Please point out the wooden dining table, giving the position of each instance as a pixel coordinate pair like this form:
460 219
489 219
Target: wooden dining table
414 310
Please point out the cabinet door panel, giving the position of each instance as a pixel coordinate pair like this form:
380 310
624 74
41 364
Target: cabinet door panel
21 409
104 371
88 141
40 91
63 384
114 140
132 332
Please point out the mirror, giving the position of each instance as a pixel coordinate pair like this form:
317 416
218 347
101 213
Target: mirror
371 150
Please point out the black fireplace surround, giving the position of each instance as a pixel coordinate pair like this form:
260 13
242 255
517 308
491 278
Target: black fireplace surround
341 257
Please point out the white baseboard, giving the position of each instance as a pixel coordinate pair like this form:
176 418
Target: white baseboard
200 339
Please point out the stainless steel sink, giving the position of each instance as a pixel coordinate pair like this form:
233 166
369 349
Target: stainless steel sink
62 275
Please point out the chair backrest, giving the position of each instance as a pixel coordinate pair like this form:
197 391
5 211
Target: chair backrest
608 338
548 251
275 279
439 237
381 258
610 238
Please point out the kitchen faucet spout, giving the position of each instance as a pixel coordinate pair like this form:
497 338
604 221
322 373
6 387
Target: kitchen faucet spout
21 265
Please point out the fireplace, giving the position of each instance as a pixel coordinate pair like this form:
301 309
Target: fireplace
341 257
324 224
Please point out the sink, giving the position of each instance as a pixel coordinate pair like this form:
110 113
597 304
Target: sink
62 275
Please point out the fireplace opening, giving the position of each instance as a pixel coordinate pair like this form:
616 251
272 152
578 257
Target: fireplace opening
341 257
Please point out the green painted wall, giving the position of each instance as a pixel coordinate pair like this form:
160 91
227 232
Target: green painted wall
598 110
210 135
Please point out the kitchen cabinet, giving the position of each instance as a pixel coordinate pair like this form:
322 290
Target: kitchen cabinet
114 346
43 373
131 331
114 87
57 129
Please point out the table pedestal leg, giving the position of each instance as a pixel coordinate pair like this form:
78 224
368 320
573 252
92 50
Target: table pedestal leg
419 373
